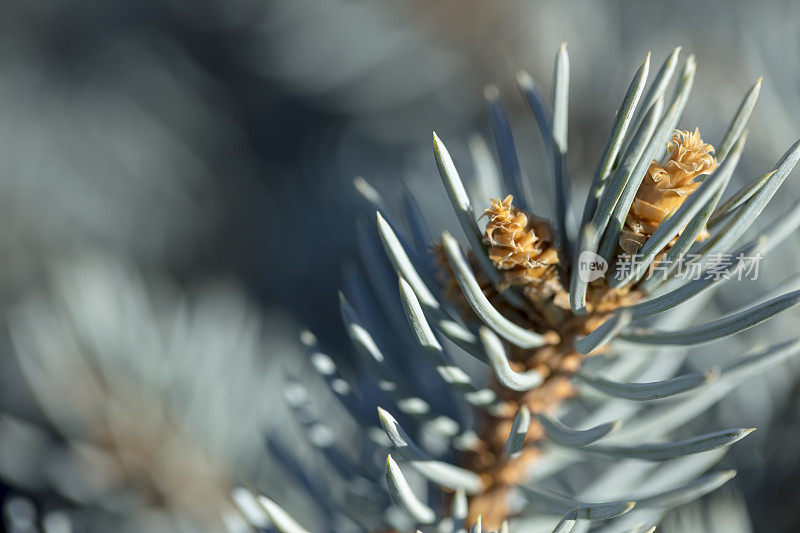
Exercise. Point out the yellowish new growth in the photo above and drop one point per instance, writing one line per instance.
(664, 189)
(519, 246)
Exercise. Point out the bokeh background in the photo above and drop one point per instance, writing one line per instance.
(189, 164)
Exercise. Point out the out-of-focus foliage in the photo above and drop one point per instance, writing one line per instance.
(154, 402)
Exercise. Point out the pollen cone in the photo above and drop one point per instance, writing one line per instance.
(664, 189)
(522, 248)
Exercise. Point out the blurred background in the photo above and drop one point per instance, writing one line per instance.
(176, 194)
